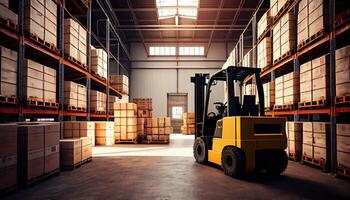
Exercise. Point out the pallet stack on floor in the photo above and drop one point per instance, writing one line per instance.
(39, 82)
(8, 78)
(99, 63)
(144, 112)
(188, 127)
(316, 140)
(294, 132)
(75, 39)
(98, 102)
(76, 147)
(120, 83)
(74, 96)
(158, 130)
(104, 133)
(125, 119)
(41, 21)
(343, 149)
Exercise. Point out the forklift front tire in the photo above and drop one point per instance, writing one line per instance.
(200, 151)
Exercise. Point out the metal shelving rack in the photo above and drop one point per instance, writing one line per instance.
(326, 44)
(16, 39)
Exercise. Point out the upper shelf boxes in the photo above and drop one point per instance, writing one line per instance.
(8, 68)
(264, 53)
(342, 68)
(248, 59)
(276, 6)
(283, 37)
(264, 23)
(6, 13)
(312, 19)
(41, 20)
(99, 62)
(75, 38)
(120, 83)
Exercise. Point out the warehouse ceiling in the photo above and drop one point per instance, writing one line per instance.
(166, 21)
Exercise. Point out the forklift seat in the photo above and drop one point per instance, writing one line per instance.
(249, 107)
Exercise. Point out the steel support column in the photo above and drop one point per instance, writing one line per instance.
(61, 67)
(20, 63)
(108, 65)
(88, 80)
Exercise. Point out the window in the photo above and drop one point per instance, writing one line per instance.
(162, 50)
(191, 51)
(177, 112)
(183, 8)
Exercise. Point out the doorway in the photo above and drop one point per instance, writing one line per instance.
(177, 105)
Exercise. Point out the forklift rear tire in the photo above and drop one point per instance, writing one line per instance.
(200, 151)
(278, 163)
(233, 162)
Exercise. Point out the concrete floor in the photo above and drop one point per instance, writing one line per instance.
(169, 172)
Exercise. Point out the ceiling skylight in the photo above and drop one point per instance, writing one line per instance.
(182, 8)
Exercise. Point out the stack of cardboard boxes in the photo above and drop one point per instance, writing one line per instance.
(343, 146)
(98, 101)
(75, 39)
(6, 13)
(158, 130)
(125, 119)
(79, 129)
(75, 96)
(264, 23)
(342, 69)
(276, 6)
(104, 133)
(264, 57)
(99, 62)
(39, 82)
(120, 83)
(8, 69)
(144, 112)
(294, 132)
(287, 89)
(188, 127)
(248, 59)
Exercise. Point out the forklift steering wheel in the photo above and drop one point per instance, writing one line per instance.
(211, 113)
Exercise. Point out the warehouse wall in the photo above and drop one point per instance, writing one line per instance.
(156, 76)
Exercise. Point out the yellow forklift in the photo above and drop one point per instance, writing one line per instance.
(239, 137)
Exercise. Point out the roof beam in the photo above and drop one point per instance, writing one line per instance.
(234, 21)
(221, 5)
(199, 9)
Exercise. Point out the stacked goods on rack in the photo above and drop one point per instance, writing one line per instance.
(38, 151)
(312, 19)
(120, 83)
(8, 157)
(8, 70)
(269, 95)
(79, 129)
(188, 127)
(144, 112)
(284, 37)
(248, 59)
(232, 58)
(316, 143)
(264, 53)
(294, 132)
(264, 23)
(39, 82)
(75, 41)
(104, 133)
(342, 70)
(343, 147)
(125, 119)
(75, 152)
(112, 100)
(41, 20)
(158, 130)
(98, 101)
(6, 13)
(314, 80)
(276, 6)
(99, 62)
(287, 89)
(74, 96)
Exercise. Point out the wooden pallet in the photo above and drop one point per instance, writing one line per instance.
(281, 12)
(312, 104)
(75, 109)
(43, 177)
(126, 141)
(269, 109)
(313, 162)
(98, 112)
(8, 23)
(342, 99)
(283, 57)
(8, 100)
(37, 102)
(286, 107)
(77, 62)
(311, 39)
(294, 156)
(263, 34)
(157, 141)
(98, 76)
(41, 41)
(343, 171)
